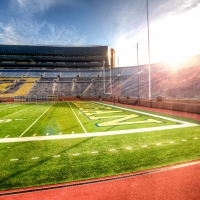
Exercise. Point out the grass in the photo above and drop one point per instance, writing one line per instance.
(54, 118)
(74, 158)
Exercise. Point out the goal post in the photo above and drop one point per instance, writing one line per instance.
(105, 84)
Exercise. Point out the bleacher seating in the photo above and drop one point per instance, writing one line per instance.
(181, 82)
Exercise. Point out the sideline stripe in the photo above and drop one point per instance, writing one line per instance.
(77, 118)
(67, 185)
(36, 120)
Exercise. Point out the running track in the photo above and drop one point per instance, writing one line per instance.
(177, 183)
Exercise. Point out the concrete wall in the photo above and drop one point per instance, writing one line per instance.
(192, 106)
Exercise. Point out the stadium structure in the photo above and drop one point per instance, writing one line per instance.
(60, 125)
(48, 73)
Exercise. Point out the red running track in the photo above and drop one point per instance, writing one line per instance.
(178, 183)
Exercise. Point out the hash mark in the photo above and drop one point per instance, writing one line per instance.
(94, 152)
(144, 146)
(76, 154)
(56, 156)
(112, 150)
(34, 158)
(158, 144)
(15, 159)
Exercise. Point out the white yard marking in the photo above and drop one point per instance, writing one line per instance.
(76, 154)
(95, 134)
(72, 132)
(158, 144)
(94, 152)
(36, 120)
(16, 112)
(77, 118)
(129, 148)
(9, 107)
(56, 156)
(144, 146)
(184, 140)
(196, 138)
(172, 142)
(8, 147)
(5, 120)
(35, 158)
(112, 150)
(47, 134)
(14, 159)
(34, 135)
(7, 136)
(60, 133)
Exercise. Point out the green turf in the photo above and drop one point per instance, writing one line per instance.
(40, 119)
(57, 161)
(84, 165)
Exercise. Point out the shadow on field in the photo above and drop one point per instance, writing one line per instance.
(9, 145)
(6, 181)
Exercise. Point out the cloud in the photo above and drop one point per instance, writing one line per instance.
(33, 6)
(174, 33)
(31, 32)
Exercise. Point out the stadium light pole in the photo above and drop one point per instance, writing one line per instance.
(138, 76)
(149, 51)
(118, 75)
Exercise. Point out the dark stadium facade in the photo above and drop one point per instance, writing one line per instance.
(53, 56)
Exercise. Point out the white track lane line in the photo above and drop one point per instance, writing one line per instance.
(77, 118)
(36, 120)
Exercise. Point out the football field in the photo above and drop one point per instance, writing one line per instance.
(66, 118)
(55, 142)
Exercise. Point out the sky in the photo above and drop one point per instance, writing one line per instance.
(174, 26)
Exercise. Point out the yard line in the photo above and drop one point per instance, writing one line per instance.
(10, 107)
(17, 112)
(77, 118)
(36, 120)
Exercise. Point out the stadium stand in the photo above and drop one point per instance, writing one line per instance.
(179, 83)
(39, 77)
